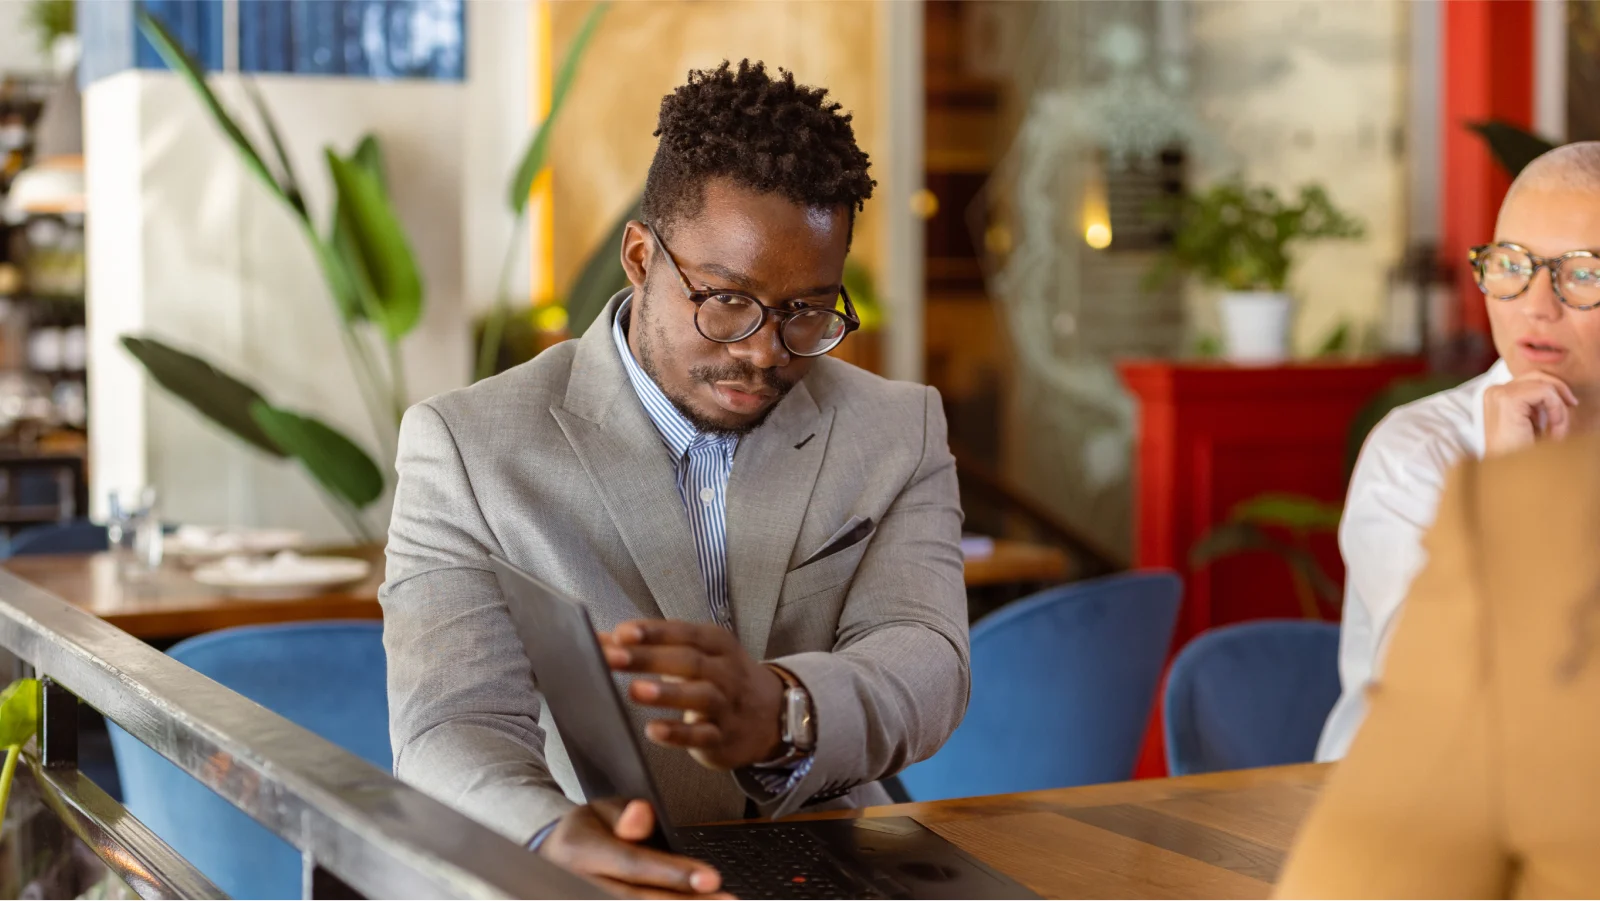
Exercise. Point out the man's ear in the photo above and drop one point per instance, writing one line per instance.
(638, 249)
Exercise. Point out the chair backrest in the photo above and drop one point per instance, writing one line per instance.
(1062, 687)
(73, 536)
(1249, 695)
(327, 677)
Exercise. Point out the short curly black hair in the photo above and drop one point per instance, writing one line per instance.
(768, 134)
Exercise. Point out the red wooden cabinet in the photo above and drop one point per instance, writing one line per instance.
(1212, 435)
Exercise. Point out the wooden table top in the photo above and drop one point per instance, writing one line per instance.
(1222, 835)
(1017, 561)
(174, 605)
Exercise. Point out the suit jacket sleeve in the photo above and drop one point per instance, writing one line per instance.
(463, 710)
(1410, 811)
(896, 683)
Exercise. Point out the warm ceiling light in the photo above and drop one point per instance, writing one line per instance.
(1098, 235)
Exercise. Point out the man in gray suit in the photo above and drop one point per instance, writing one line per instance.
(768, 538)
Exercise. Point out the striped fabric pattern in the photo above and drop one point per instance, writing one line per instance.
(704, 461)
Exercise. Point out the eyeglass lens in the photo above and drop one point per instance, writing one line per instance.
(729, 318)
(1505, 272)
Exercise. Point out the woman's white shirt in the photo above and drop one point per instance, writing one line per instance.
(1394, 495)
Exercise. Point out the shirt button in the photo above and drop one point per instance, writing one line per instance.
(708, 495)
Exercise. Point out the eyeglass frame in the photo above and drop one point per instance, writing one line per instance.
(1553, 264)
(698, 298)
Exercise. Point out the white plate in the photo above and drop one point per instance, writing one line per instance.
(200, 543)
(287, 575)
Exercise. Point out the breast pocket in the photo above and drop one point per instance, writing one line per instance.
(832, 571)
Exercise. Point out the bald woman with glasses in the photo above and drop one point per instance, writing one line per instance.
(1540, 279)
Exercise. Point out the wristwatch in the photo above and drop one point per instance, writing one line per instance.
(795, 724)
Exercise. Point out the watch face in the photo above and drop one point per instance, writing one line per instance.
(797, 718)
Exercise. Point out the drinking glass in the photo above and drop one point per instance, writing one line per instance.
(133, 530)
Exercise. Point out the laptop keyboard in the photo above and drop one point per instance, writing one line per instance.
(773, 862)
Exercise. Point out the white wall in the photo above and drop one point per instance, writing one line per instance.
(186, 246)
(19, 47)
(498, 113)
(1308, 91)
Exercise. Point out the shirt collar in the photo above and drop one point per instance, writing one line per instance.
(1498, 374)
(677, 432)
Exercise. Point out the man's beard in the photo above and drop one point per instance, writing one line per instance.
(732, 371)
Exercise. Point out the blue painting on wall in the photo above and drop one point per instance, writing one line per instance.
(363, 38)
(381, 39)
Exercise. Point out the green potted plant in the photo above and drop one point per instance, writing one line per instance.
(373, 281)
(1239, 238)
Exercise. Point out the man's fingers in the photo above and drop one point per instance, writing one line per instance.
(635, 823)
(624, 890)
(600, 840)
(683, 662)
(699, 695)
(679, 734)
(705, 636)
(648, 867)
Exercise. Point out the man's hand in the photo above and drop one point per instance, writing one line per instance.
(730, 702)
(1524, 410)
(600, 842)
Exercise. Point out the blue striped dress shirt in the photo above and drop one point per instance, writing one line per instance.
(704, 460)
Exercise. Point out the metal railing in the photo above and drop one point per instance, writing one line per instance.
(360, 832)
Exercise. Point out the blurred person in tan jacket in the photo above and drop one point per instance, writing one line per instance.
(1474, 774)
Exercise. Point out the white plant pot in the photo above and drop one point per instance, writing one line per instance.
(1255, 326)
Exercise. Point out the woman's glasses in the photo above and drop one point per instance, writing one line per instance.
(1504, 271)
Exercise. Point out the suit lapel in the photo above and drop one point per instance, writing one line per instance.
(774, 472)
(631, 470)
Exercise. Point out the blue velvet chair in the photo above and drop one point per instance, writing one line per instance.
(1249, 695)
(327, 677)
(1062, 687)
(73, 536)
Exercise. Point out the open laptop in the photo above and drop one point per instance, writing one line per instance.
(889, 857)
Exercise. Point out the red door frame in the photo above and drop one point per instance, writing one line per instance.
(1488, 73)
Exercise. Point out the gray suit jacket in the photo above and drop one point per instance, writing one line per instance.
(556, 466)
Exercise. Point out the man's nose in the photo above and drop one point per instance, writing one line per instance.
(764, 349)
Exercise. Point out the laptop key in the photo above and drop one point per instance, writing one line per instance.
(775, 862)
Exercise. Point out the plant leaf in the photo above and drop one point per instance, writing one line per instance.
(1229, 538)
(180, 61)
(377, 252)
(290, 182)
(1238, 537)
(602, 275)
(340, 256)
(1337, 342)
(539, 146)
(19, 712)
(369, 156)
(1290, 511)
(217, 395)
(336, 462)
(1397, 394)
(1512, 147)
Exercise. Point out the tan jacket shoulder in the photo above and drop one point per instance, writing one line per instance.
(1473, 774)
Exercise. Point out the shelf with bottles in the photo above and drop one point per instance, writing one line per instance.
(21, 102)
